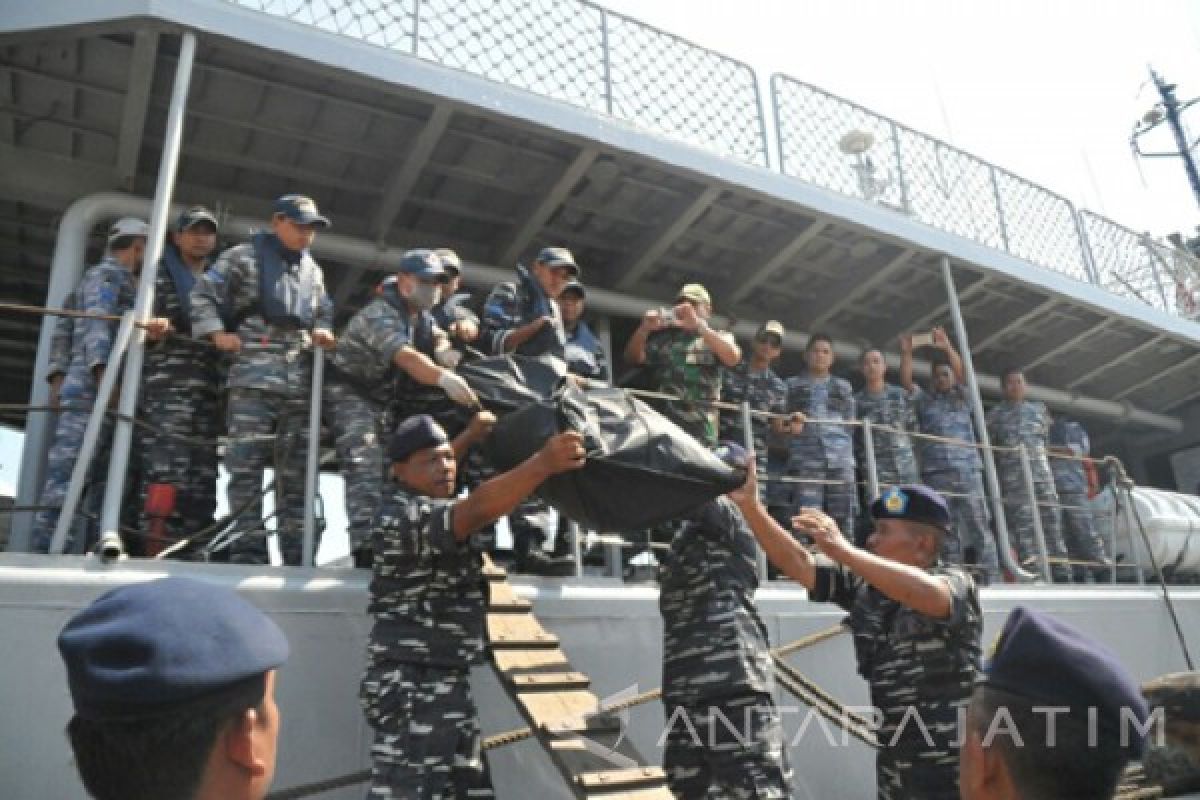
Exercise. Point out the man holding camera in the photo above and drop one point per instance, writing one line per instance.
(955, 469)
(687, 359)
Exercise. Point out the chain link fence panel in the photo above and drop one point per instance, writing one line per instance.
(571, 51)
(903, 169)
(1139, 267)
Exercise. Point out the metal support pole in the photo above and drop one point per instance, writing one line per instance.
(1039, 534)
(999, 210)
(1085, 248)
(576, 533)
(1112, 539)
(905, 202)
(989, 463)
(311, 468)
(606, 54)
(748, 442)
(168, 166)
(66, 515)
(872, 468)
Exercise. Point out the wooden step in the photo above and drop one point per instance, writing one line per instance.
(518, 631)
(616, 780)
(502, 598)
(550, 681)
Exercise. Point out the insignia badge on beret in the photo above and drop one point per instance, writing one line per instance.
(895, 501)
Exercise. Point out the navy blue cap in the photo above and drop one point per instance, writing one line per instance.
(575, 286)
(140, 650)
(559, 257)
(1048, 661)
(301, 209)
(914, 503)
(194, 216)
(450, 260)
(424, 264)
(733, 454)
(415, 433)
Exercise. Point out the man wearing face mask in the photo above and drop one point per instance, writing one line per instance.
(273, 292)
(393, 333)
(523, 317)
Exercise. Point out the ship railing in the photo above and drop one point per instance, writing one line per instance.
(868, 485)
(573, 51)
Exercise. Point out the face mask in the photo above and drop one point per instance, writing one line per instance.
(426, 295)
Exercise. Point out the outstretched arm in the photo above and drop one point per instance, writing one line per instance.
(500, 495)
(910, 586)
(782, 549)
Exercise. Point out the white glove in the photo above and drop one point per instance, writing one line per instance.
(457, 389)
(448, 357)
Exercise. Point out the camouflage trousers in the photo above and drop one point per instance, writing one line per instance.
(60, 462)
(729, 747)
(1019, 509)
(360, 429)
(181, 410)
(1080, 536)
(970, 537)
(426, 733)
(266, 429)
(919, 776)
(833, 491)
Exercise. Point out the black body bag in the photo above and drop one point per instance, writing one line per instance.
(642, 469)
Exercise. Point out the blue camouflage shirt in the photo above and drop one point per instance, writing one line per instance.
(827, 445)
(427, 592)
(714, 641)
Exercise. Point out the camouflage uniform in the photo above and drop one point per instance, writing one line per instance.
(912, 661)
(270, 380)
(717, 661)
(106, 288)
(1027, 423)
(509, 306)
(823, 451)
(427, 596)
(358, 397)
(182, 379)
(60, 342)
(957, 472)
(1082, 539)
(685, 367)
(764, 391)
(895, 462)
(585, 353)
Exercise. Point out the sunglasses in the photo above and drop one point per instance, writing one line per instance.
(773, 341)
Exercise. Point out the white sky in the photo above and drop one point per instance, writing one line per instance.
(1039, 88)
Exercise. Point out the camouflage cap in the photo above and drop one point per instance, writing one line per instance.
(450, 260)
(696, 293)
(559, 257)
(771, 327)
(300, 209)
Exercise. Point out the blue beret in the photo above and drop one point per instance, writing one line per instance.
(914, 503)
(415, 433)
(1050, 662)
(424, 264)
(141, 649)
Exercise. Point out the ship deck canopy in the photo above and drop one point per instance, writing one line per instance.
(497, 129)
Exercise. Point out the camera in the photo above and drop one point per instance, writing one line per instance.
(667, 315)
